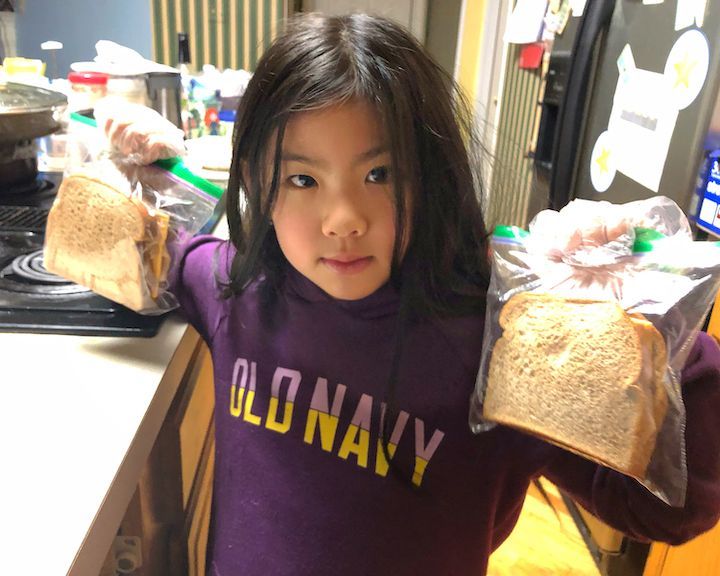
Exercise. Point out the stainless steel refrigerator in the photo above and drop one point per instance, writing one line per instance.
(631, 108)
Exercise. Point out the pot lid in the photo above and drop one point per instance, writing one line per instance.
(23, 99)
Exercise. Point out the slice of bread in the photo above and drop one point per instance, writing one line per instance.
(652, 378)
(582, 374)
(106, 240)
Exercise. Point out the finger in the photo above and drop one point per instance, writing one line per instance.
(617, 227)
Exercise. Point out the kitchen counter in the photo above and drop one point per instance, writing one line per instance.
(78, 417)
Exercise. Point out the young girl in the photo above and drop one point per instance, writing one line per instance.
(345, 318)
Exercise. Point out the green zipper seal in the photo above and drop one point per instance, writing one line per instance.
(173, 165)
(177, 167)
(512, 232)
(645, 239)
(83, 119)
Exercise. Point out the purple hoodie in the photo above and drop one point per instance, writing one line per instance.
(301, 484)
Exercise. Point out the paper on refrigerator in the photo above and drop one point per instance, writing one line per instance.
(642, 123)
(577, 7)
(526, 22)
(690, 13)
(644, 113)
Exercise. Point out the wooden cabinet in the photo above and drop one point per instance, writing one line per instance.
(197, 519)
(699, 557)
(170, 510)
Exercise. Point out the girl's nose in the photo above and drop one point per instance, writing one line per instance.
(344, 218)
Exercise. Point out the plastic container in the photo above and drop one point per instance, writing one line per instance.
(227, 122)
(86, 88)
(52, 154)
(130, 88)
(15, 65)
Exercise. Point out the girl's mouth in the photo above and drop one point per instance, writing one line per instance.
(351, 266)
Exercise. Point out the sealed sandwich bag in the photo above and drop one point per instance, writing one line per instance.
(590, 318)
(115, 224)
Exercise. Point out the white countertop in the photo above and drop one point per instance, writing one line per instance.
(78, 417)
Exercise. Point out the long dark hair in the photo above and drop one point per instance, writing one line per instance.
(319, 61)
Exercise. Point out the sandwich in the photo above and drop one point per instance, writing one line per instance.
(582, 374)
(107, 240)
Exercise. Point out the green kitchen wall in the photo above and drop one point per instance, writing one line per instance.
(226, 33)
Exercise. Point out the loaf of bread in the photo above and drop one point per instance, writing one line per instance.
(582, 374)
(108, 241)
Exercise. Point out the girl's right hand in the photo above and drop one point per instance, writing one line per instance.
(138, 133)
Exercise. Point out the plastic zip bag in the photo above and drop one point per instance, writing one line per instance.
(114, 225)
(590, 318)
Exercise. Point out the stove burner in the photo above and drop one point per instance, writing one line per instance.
(23, 218)
(27, 274)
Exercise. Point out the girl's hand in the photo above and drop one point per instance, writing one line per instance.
(597, 233)
(138, 133)
(582, 233)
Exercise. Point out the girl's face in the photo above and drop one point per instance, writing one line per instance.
(335, 211)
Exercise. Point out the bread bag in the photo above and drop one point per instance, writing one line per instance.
(114, 225)
(590, 317)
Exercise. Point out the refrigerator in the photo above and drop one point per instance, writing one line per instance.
(630, 108)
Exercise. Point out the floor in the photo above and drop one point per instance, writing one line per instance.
(545, 542)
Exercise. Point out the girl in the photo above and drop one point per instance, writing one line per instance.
(345, 318)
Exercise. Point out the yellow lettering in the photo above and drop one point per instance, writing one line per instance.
(328, 428)
(381, 463)
(356, 441)
(419, 471)
(249, 416)
(272, 423)
(236, 398)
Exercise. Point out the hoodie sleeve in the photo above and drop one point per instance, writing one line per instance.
(624, 503)
(195, 280)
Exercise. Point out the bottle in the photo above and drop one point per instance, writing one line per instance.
(186, 118)
(86, 89)
(184, 53)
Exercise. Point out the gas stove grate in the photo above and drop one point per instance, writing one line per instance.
(23, 218)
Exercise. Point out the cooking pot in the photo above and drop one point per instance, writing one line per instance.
(26, 113)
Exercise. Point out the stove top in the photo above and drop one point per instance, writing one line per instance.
(34, 300)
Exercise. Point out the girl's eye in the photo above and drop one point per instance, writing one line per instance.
(379, 175)
(302, 181)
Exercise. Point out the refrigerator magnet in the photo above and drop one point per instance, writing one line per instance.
(602, 163)
(687, 67)
(626, 63)
(531, 55)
